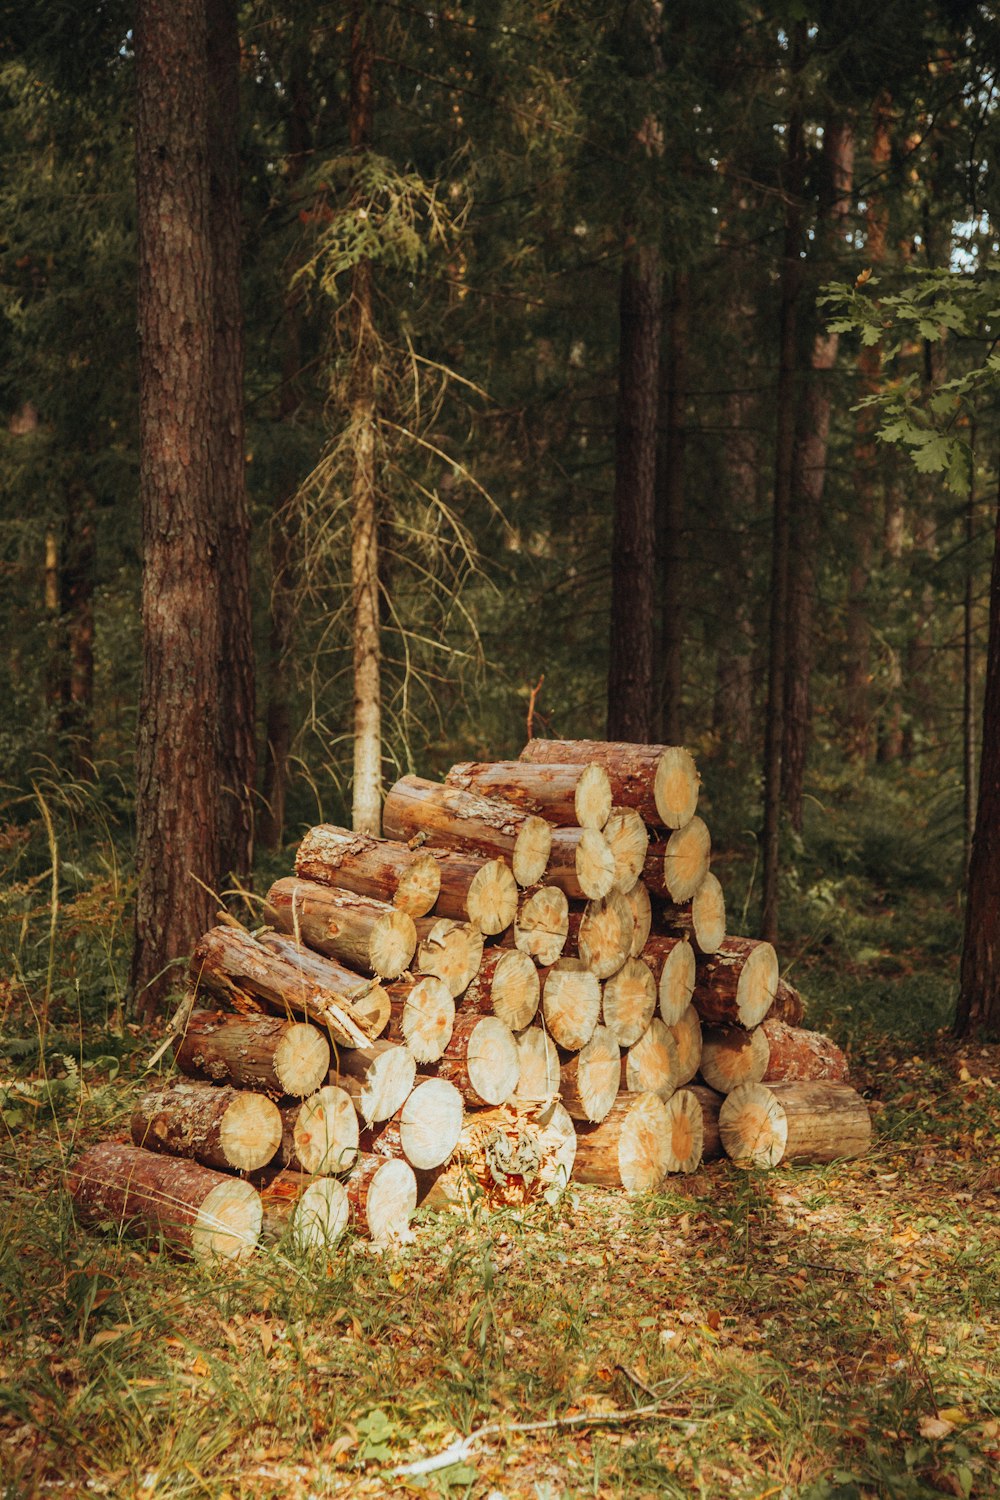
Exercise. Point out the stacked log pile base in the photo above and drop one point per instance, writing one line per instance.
(630, 1148)
(313, 1211)
(506, 1156)
(425, 1130)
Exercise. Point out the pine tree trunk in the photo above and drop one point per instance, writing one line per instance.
(670, 508)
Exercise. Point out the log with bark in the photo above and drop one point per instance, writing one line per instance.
(731, 1056)
(538, 1067)
(451, 951)
(320, 1135)
(475, 889)
(567, 796)
(737, 984)
(409, 879)
(377, 1077)
(629, 1000)
(541, 924)
(660, 781)
(710, 1103)
(423, 1014)
(787, 1005)
(209, 1215)
(327, 990)
(381, 1198)
(675, 868)
(254, 1052)
(764, 1124)
(799, 1056)
(425, 1129)
(507, 986)
(227, 1128)
(581, 863)
(367, 935)
(601, 935)
(687, 1132)
(571, 1003)
(480, 1060)
(453, 819)
(686, 1032)
(702, 919)
(508, 1156)
(642, 915)
(652, 1064)
(672, 963)
(628, 841)
(588, 1081)
(629, 1148)
(312, 1211)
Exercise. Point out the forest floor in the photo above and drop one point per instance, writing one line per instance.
(824, 1333)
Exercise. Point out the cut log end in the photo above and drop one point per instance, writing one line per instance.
(676, 786)
(652, 1064)
(515, 991)
(685, 860)
(687, 1034)
(531, 851)
(592, 798)
(321, 1215)
(708, 915)
(571, 1003)
(538, 1063)
(492, 898)
(393, 940)
(430, 1123)
(324, 1132)
(687, 1131)
(378, 1079)
(589, 1082)
(428, 1018)
(753, 1126)
(250, 1132)
(731, 1056)
(642, 915)
(628, 840)
(492, 1061)
(605, 934)
(390, 1198)
(301, 1059)
(629, 1001)
(595, 865)
(419, 885)
(452, 951)
(542, 925)
(675, 987)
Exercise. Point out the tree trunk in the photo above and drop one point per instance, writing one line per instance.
(76, 588)
(670, 511)
(177, 759)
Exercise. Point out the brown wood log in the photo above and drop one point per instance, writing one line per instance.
(628, 841)
(453, 819)
(328, 991)
(320, 1135)
(507, 986)
(378, 1078)
(601, 935)
(425, 1130)
(367, 935)
(480, 1060)
(687, 1132)
(629, 1001)
(737, 984)
(731, 1056)
(672, 963)
(475, 889)
(642, 915)
(702, 919)
(209, 1215)
(222, 1127)
(764, 1124)
(799, 1056)
(423, 1015)
(652, 1064)
(312, 1211)
(538, 1068)
(660, 781)
(588, 1081)
(571, 1003)
(266, 1053)
(565, 795)
(676, 867)
(787, 1005)
(451, 951)
(580, 863)
(710, 1103)
(687, 1034)
(381, 1199)
(409, 879)
(506, 1157)
(629, 1148)
(541, 924)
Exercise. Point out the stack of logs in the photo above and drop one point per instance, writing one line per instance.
(527, 980)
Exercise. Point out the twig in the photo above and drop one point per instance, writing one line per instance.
(531, 705)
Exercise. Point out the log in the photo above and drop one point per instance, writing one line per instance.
(312, 1211)
(710, 1103)
(601, 935)
(629, 1001)
(565, 795)
(409, 879)
(660, 781)
(538, 1067)
(475, 889)
(702, 919)
(506, 1157)
(507, 986)
(652, 1064)
(253, 1052)
(208, 1215)
(571, 1003)
(581, 863)
(687, 1132)
(367, 935)
(686, 1032)
(378, 1078)
(737, 984)
(541, 924)
(799, 1056)
(328, 992)
(675, 868)
(588, 1081)
(423, 1014)
(731, 1056)
(320, 1135)
(787, 1005)
(628, 841)
(480, 1060)
(425, 1130)
(222, 1127)
(451, 951)
(453, 819)
(642, 915)
(629, 1148)
(381, 1199)
(764, 1124)
(672, 964)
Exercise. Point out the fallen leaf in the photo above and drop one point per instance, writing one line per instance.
(934, 1427)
